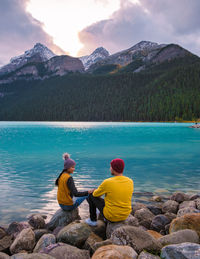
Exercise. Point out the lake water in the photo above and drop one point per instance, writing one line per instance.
(159, 157)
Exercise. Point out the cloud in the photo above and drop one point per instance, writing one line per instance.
(160, 21)
(20, 31)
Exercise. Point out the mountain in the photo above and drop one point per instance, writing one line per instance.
(97, 55)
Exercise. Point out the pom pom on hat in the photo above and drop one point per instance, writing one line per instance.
(66, 156)
(68, 162)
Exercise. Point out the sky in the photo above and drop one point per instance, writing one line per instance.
(78, 27)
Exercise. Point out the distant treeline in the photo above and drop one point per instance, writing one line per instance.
(166, 92)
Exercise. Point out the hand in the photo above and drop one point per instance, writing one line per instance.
(91, 191)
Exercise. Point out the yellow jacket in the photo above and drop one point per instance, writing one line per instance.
(118, 192)
(63, 194)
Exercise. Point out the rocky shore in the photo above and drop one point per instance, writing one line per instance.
(163, 228)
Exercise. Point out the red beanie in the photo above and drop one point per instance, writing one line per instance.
(117, 165)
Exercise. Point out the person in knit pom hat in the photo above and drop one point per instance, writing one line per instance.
(67, 192)
(118, 191)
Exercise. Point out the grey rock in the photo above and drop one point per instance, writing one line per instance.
(194, 196)
(186, 204)
(40, 232)
(145, 255)
(137, 206)
(44, 241)
(181, 236)
(159, 222)
(5, 243)
(197, 201)
(36, 221)
(16, 227)
(144, 217)
(4, 256)
(24, 241)
(2, 232)
(170, 216)
(154, 209)
(75, 234)
(187, 210)
(179, 197)
(61, 250)
(62, 218)
(111, 226)
(31, 256)
(170, 206)
(136, 238)
(181, 251)
(102, 243)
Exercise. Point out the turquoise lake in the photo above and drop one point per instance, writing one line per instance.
(159, 157)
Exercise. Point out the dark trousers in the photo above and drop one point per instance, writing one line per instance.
(95, 203)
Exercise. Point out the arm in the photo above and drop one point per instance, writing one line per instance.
(101, 190)
(73, 190)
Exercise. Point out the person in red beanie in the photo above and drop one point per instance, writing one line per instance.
(118, 191)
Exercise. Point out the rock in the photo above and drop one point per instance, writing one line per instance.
(187, 210)
(31, 256)
(194, 197)
(154, 234)
(62, 218)
(16, 227)
(145, 255)
(39, 232)
(179, 197)
(45, 240)
(188, 221)
(90, 242)
(4, 256)
(100, 229)
(115, 252)
(111, 226)
(61, 250)
(75, 234)
(5, 243)
(170, 206)
(2, 232)
(24, 241)
(167, 229)
(137, 206)
(197, 201)
(36, 221)
(156, 198)
(135, 237)
(170, 216)
(102, 243)
(181, 251)
(186, 204)
(154, 209)
(144, 217)
(159, 222)
(180, 236)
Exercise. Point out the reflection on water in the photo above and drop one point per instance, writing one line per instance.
(159, 157)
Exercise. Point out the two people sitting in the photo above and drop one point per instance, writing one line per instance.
(118, 190)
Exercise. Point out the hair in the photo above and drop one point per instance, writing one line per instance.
(57, 180)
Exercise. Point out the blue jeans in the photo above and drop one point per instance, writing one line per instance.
(78, 202)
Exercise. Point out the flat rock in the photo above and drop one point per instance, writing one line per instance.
(145, 255)
(111, 226)
(159, 222)
(188, 221)
(62, 218)
(180, 197)
(135, 237)
(4, 256)
(170, 206)
(31, 256)
(144, 217)
(61, 250)
(115, 251)
(181, 236)
(24, 241)
(5, 243)
(36, 221)
(75, 234)
(45, 240)
(181, 251)
(187, 210)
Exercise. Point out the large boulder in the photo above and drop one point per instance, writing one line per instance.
(186, 204)
(24, 241)
(4, 256)
(31, 256)
(62, 218)
(16, 227)
(40, 232)
(188, 221)
(144, 217)
(90, 242)
(180, 197)
(181, 236)
(44, 241)
(100, 229)
(159, 222)
(187, 210)
(61, 250)
(137, 206)
(111, 226)
(181, 251)
(74, 234)
(145, 255)
(5, 243)
(36, 221)
(170, 206)
(155, 209)
(135, 237)
(114, 251)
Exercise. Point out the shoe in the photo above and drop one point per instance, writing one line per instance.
(91, 223)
